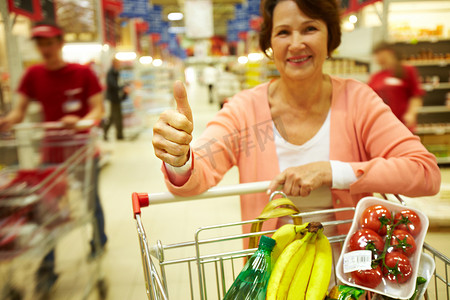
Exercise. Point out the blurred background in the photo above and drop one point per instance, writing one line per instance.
(212, 46)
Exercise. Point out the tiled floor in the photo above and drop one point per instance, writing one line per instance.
(134, 168)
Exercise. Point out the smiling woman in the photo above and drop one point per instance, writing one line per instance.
(325, 141)
(326, 11)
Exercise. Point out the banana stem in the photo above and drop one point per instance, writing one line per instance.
(315, 227)
(301, 228)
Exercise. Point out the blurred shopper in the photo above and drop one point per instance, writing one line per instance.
(227, 86)
(68, 93)
(210, 78)
(397, 84)
(114, 94)
(327, 141)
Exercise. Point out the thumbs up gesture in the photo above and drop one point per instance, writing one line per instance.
(172, 132)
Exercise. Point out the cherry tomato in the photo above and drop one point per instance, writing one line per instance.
(411, 219)
(368, 278)
(400, 269)
(376, 217)
(403, 242)
(366, 239)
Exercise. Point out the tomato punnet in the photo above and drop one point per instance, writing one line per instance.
(366, 239)
(368, 278)
(376, 217)
(402, 241)
(412, 220)
(400, 269)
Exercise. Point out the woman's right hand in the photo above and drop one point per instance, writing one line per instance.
(172, 132)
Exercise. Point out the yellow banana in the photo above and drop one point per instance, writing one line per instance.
(290, 269)
(285, 267)
(285, 235)
(297, 289)
(321, 271)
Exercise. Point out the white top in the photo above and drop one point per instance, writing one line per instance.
(290, 155)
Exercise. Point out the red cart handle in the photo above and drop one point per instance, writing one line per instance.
(139, 200)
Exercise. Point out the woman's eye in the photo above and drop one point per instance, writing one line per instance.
(310, 28)
(282, 32)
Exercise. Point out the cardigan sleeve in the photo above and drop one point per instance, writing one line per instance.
(393, 159)
(215, 152)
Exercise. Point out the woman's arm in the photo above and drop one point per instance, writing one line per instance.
(213, 154)
(397, 162)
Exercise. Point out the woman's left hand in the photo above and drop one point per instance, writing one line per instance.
(302, 180)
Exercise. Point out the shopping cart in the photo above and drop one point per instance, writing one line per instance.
(46, 192)
(212, 266)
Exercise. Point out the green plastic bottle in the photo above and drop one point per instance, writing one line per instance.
(251, 283)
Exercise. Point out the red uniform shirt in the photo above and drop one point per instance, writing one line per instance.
(61, 92)
(397, 92)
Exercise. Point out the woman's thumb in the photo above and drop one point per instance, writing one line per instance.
(180, 95)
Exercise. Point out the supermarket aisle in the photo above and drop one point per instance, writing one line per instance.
(133, 167)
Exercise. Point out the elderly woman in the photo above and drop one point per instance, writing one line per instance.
(327, 140)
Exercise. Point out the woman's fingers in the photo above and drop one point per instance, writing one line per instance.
(167, 132)
(177, 121)
(302, 180)
(172, 134)
(276, 182)
(170, 147)
(289, 184)
(176, 161)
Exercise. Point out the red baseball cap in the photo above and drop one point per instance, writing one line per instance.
(45, 31)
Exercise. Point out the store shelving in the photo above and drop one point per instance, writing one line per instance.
(439, 86)
(443, 160)
(155, 93)
(429, 63)
(432, 60)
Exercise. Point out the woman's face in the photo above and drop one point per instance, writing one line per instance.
(299, 43)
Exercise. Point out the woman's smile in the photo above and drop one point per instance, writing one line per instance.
(299, 60)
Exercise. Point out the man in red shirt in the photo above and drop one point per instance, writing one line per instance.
(397, 85)
(68, 93)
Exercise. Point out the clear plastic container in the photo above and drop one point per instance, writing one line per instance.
(386, 287)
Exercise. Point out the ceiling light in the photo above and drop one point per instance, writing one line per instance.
(255, 56)
(146, 60)
(347, 26)
(243, 60)
(125, 56)
(353, 19)
(157, 62)
(175, 16)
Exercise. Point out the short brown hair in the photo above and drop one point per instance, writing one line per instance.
(325, 10)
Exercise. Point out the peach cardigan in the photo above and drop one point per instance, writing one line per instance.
(383, 153)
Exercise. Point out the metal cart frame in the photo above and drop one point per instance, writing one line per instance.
(157, 281)
(77, 162)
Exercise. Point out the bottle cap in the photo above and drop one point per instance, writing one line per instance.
(267, 242)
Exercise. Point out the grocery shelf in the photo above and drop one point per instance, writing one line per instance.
(426, 63)
(434, 109)
(443, 160)
(433, 130)
(440, 86)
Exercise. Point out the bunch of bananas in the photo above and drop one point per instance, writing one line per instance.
(301, 262)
